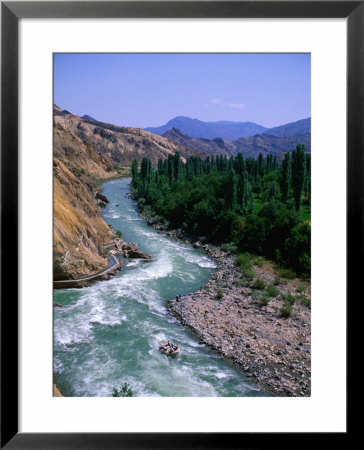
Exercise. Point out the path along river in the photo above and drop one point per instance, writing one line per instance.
(109, 333)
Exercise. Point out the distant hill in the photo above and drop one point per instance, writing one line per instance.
(119, 144)
(300, 127)
(269, 144)
(209, 130)
(86, 116)
(209, 147)
(249, 146)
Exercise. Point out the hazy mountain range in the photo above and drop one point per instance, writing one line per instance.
(229, 130)
(274, 141)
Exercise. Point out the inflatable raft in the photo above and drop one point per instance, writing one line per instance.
(168, 349)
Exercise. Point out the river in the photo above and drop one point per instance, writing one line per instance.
(109, 333)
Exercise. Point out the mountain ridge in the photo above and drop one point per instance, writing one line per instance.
(229, 130)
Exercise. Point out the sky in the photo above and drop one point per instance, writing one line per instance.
(142, 90)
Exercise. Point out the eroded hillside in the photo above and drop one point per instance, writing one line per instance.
(86, 151)
(79, 231)
(121, 144)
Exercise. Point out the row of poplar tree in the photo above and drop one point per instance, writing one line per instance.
(248, 202)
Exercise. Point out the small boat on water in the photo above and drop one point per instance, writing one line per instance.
(117, 204)
(169, 349)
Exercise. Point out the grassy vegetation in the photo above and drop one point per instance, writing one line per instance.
(288, 298)
(286, 309)
(259, 284)
(287, 273)
(272, 291)
(123, 391)
(260, 298)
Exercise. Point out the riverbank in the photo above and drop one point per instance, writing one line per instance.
(227, 315)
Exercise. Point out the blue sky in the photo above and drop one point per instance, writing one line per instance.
(143, 90)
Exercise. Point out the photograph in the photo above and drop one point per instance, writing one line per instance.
(182, 224)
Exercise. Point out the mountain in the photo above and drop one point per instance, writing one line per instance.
(269, 144)
(209, 130)
(274, 140)
(206, 146)
(86, 116)
(249, 146)
(302, 126)
(120, 144)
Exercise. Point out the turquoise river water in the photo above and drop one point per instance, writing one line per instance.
(109, 333)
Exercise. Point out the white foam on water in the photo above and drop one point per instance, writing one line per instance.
(57, 365)
(200, 260)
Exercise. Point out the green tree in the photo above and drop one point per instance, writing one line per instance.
(298, 173)
(134, 170)
(286, 177)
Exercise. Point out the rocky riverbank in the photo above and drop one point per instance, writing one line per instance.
(270, 345)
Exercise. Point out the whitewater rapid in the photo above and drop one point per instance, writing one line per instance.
(109, 333)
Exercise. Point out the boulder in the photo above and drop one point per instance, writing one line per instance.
(101, 197)
(131, 250)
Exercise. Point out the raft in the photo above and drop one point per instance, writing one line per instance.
(167, 351)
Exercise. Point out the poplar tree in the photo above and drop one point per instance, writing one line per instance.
(285, 177)
(177, 162)
(298, 173)
(134, 170)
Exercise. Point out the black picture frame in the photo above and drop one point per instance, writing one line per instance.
(11, 12)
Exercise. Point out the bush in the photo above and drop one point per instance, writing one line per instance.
(306, 301)
(286, 309)
(123, 391)
(244, 261)
(271, 290)
(248, 274)
(260, 298)
(219, 294)
(287, 273)
(119, 234)
(229, 247)
(288, 298)
(278, 280)
(259, 284)
(259, 261)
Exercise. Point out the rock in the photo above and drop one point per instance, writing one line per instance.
(131, 250)
(197, 244)
(101, 197)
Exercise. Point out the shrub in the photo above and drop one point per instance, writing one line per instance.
(229, 247)
(219, 294)
(286, 309)
(123, 391)
(260, 298)
(287, 273)
(244, 261)
(119, 233)
(306, 301)
(248, 274)
(288, 298)
(271, 290)
(259, 261)
(259, 284)
(278, 280)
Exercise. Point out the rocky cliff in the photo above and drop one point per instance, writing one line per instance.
(86, 151)
(79, 231)
(120, 144)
